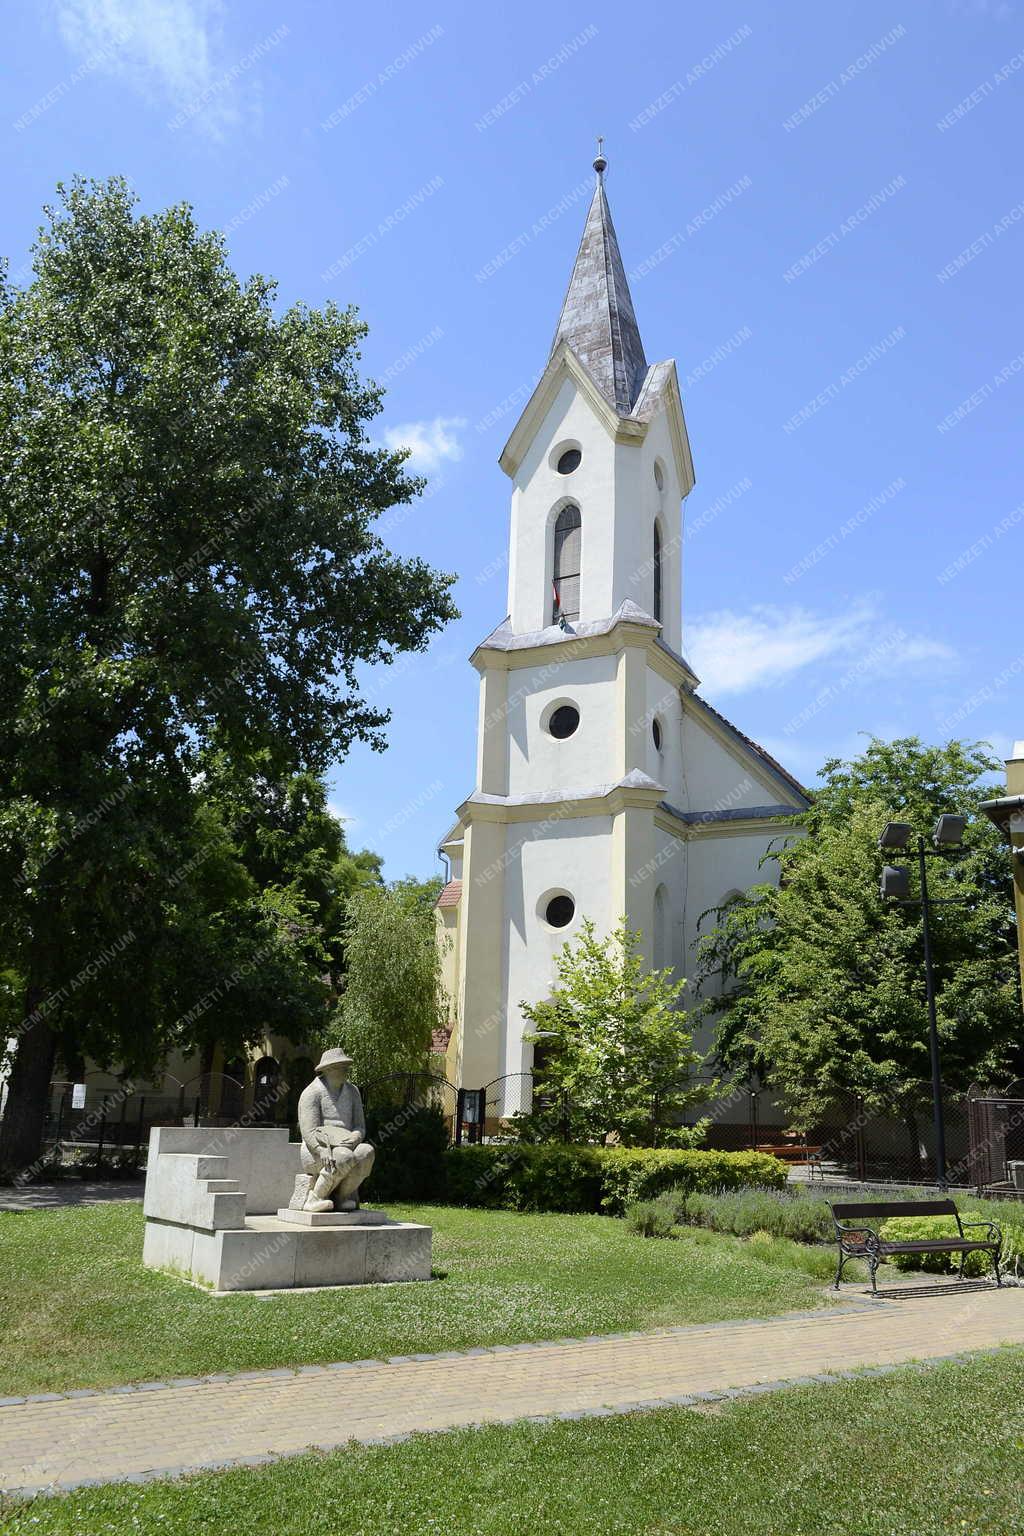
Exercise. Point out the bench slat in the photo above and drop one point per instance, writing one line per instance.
(870, 1208)
(941, 1245)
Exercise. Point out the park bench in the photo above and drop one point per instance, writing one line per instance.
(857, 1239)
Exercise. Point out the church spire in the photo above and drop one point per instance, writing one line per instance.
(597, 318)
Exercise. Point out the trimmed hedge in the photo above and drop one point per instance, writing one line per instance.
(525, 1176)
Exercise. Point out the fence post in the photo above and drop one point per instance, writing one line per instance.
(60, 1115)
(195, 1112)
(138, 1132)
(99, 1148)
(460, 1108)
(120, 1123)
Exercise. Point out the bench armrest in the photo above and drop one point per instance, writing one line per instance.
(995, 1232)
(862, 1237)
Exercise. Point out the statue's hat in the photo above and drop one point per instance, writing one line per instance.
(335, 1057)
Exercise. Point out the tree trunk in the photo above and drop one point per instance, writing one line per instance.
(28, 1095)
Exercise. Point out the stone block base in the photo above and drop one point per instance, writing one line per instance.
(269, 1253)
(360, 1218)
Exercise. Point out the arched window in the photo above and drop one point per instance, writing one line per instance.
(565, 603)
(662, 930)
(657, 573)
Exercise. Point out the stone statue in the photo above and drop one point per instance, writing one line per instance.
(335, 1153)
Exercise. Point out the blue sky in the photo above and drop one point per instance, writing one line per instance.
(821, 209)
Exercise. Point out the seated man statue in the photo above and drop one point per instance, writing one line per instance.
(333, 1129)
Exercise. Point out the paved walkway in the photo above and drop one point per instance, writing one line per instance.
(164, 1428)
(47, 1197)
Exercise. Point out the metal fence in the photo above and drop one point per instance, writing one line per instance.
(849, 1139)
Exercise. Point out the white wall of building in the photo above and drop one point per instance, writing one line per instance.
(538, 760)
(715, 777)
(570, 856)
(618, 497)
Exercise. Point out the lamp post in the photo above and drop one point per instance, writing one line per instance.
(895, 886)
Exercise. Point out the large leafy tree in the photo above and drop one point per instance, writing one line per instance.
(288, 839)
(818, 984)
(393, 997)
(616, 1049)
(188, 562)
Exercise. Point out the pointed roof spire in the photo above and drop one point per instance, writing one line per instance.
(597, 318)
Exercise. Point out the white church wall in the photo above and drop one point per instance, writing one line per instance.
(662, 704)
(665, 880)
(538, 760)
(543, 859)
(715, 779)
(719, 865)
(540, 491)
(639, 503)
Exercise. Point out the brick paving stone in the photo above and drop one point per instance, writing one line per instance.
(60, 1441)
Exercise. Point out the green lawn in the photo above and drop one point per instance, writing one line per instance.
(78, 1309)
(911, 1454)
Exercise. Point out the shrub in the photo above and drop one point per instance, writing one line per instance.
(524, 1176)
(922, 1229)
(652, 1218)
(640, 1173)
(411, 1146)
(744, 1211)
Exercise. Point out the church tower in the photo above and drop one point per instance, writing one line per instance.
(605, 786)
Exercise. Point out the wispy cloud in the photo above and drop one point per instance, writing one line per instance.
(431, 442)
(735, 652)
(168, 49)
(343, 814)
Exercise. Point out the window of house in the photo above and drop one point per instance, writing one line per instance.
(569, 461)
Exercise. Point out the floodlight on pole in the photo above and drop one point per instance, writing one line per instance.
(949, 831)
(895, 883)
(896, 834)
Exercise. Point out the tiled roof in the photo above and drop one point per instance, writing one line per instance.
(451, 894)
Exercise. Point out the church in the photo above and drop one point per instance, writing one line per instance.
(606, 785)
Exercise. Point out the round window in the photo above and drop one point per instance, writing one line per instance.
(560, 911)
(659, 476)
(569, 461)
(656, 734)
(564, 721)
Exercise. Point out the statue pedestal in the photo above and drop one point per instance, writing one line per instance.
(360, 1218)
(214, 1213)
